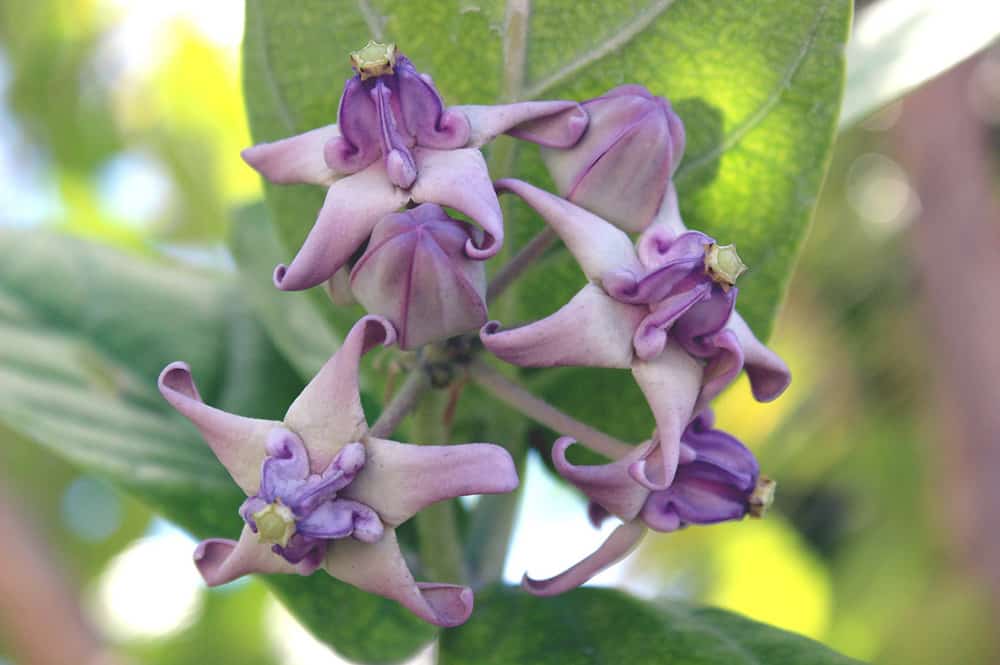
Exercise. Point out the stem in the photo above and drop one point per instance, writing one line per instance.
(527, 255)
(541, 411)
(404, 401)
(441, 552)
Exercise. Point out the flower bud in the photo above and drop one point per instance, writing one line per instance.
(417, 274)
(621, 168)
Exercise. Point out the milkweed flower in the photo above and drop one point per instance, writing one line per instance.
(718, 479)
(663, 308)
(416, 273)
(622, 168)
(396, 142)
(322, 492)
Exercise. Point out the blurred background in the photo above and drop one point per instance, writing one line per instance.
(122, 122)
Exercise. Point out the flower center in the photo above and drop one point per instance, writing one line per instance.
(275, 523)
(374, 59)
(723, 264)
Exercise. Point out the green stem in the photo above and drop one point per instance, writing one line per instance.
(441, 552)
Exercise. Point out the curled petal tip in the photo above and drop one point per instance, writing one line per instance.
(280, 271)
(637, 470)
(209, 556)
(491, 328)
(176, 378)
(451, 604)
(378, 331)
(490, 246)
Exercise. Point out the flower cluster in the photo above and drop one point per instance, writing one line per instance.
(324, 491)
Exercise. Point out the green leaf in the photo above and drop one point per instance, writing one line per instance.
(84, 331)
(604, 626)
(899, 44)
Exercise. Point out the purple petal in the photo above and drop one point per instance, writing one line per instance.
(554, 124)
(337, 519)
(727, 458)
(607, 485)
(380, 568)
(668, 217)
(286, 466)
(459, 179)
(400, 479)
(220, 561)
(651, 335)
(619, 545)
(238, 442)
(698, 326)
(358, 145)
(671, 383)
(598, 247)
(416, 274)
(352, 207)
(424, 114)
(768, 373)
(328, 413)
(298, 159)
(696, 497)
(723, 367)
(592, 330)
(399, 163)
(304, 497)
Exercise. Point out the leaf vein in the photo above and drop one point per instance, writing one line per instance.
(268, 73)
(689, 166)
(617, 41)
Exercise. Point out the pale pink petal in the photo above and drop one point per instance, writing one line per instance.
(297, 159)
(768, 373)
(327, 415)
(400, 479)
(220, 561)
(238, 442)
(555, 124)
(619, 545)
(460, 179)
(380, 568)
(352, 207)
(592, 330)
(599, 247)
(608, 485)
(671, 383)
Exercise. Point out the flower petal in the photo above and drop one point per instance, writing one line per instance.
(619, 545)
(554, 124)
(341, 518)
(220, 561)
(608, 485)
(591, 330)
(380, 568)
(459, 179)
(286, 466)
(357, 145)
(327, 415)
(671, 383)
(598, 246)
(400, 479)
(768, 373)
(722, 369)
(424, 114)
(238, 442)
(352, 207)
(298, 159)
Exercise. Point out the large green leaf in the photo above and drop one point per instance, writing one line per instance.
(84, 331)
(602, 626)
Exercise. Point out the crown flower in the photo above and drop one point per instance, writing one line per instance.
(718, 479)
(322, 492)
(653, 308)
(395, 142)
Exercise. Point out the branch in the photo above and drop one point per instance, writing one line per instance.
(527, 255)
(402, 403)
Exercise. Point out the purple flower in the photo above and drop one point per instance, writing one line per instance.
(621, 169)
(663, 309)
(324, 493)
(718, 479)
(417, 274)
(396, 142)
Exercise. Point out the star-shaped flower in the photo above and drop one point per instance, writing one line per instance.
(395, 142)
(718, 479)
(324, 493)
(657, 308)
